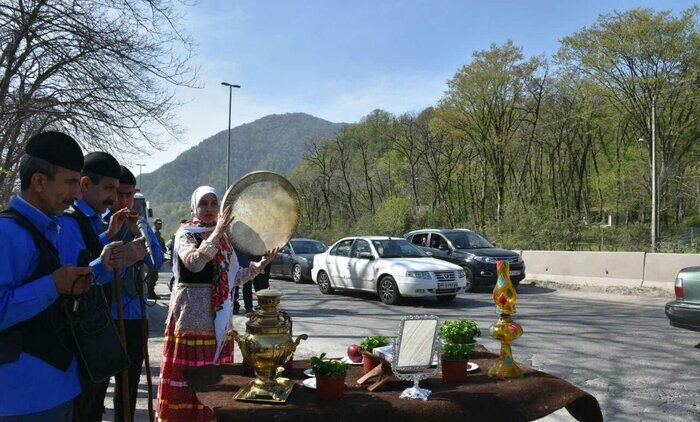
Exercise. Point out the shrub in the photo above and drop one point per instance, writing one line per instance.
(457, 351)
(326, 367)
(460, 332)
(372, 342)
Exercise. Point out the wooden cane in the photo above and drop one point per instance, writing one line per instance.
(144, 348)
(126, 402)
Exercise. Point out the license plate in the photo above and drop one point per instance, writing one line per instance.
(515, 273)
(442, 286)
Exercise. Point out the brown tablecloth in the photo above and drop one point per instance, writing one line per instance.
(480, 398)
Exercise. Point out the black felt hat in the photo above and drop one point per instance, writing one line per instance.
(127, 177)
(102, 164)
(56, 148)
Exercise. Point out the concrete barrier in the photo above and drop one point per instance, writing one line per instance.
(660, 269)
(631, 269)
(601, 268)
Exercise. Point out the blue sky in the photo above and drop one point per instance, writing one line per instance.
(339, 60)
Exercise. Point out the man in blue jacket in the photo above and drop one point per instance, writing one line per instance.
(81, 228)
(38, 369)
(132, 281)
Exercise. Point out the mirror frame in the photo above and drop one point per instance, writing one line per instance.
(436, 349)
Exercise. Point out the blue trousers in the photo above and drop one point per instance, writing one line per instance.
(61, 413)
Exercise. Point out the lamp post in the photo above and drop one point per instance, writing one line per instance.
(654, 212)
(228, 145)
(141, 166)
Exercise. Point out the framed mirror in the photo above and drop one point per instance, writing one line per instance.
(415, 348)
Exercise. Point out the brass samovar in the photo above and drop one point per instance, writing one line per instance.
(266, 346)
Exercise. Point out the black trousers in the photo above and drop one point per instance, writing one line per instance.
(89, 406)
(247, 297)
(262, 281)
(134, 348)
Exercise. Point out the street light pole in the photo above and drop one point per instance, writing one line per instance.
(653, 175)
(141, 166)
(228, 145)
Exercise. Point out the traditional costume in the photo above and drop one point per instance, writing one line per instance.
(38, 366)
(198, 327)
(132, 281)
(81, 228)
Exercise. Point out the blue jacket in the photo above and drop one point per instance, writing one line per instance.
(71, 241)
(130, 304)
(29, 384)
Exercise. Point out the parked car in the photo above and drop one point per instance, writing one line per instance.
(390, 267)
(476, 255)
(296, 259)
(684, 312)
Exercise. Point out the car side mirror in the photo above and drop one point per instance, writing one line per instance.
(150, 212)
(366, 255)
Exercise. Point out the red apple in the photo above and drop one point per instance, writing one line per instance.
(354, 353)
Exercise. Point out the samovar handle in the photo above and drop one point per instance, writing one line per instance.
(240, 341)
(298, 340)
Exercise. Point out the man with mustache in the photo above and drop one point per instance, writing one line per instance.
(38, 368)
(81, 228)
(132, 281)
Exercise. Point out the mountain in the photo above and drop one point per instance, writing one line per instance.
(275, 142)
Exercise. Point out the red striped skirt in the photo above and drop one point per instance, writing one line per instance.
(182, 350)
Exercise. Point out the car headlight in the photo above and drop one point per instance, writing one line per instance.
(419, 274)
(461, 274)
(486, 259)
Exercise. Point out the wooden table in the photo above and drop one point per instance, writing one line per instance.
(480, 398)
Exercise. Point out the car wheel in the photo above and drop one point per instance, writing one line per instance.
(324, 283)
(389, 291)
(296, 274)
(446, 298)
(470, 281)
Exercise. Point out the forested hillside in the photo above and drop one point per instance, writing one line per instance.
(537, 152)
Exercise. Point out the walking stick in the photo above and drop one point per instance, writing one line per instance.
(144, 347)
(126, 402)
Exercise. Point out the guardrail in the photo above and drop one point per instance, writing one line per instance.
(631, 269)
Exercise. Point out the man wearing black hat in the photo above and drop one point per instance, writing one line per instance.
(38, 368)
(132, 281)
(81, 228)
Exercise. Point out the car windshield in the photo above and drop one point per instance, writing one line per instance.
(308, 246)
(467, 240)
(397, 248)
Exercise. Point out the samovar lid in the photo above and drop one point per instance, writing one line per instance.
(269, 293)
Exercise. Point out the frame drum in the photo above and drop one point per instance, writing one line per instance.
(266, 210)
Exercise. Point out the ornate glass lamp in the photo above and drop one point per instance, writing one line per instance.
(505, 329)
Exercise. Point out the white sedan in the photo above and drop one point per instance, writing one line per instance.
(391, 267)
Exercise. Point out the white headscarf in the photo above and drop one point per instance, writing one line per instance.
(222, 320)
(199, 193)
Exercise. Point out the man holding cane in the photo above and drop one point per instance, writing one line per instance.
(82, 228)
(132, 281)
(38, 367)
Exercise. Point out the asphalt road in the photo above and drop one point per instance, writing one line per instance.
(619, 348)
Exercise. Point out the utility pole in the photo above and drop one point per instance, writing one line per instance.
(228, 145)
(141, 166)
(653, 174)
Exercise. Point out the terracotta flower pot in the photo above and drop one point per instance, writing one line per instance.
(454, 370)
(369, 362)
(330, 388)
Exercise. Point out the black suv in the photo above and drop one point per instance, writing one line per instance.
(471, 251)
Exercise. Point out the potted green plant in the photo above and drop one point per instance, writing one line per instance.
(330, 377)
(369, 344)
(458, 347)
